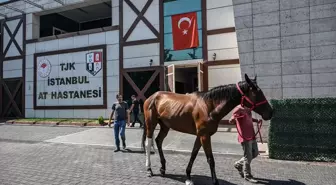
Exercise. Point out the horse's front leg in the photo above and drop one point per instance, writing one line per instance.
(206, 144)
(197, 146)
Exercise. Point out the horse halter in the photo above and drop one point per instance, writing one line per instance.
(254, 105)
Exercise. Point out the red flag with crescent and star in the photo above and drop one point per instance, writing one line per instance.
(185, 32)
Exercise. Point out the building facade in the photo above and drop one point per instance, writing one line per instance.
(289, 45)
(69, 59)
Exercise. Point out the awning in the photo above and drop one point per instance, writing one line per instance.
(12, 5)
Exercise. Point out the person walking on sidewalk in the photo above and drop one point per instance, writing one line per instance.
(135, 108)
(242, 117)
(119, 111)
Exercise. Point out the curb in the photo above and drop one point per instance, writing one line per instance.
(74, 124)
(54, 123)
(166, 151)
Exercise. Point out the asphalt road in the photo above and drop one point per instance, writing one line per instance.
(25, 158)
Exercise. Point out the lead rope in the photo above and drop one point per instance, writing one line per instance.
(259, 127)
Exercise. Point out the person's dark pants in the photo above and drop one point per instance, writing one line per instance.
(136, 118)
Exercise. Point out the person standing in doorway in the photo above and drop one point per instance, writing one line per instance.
(135, 108)
(119, 111)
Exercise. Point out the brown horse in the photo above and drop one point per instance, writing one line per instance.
(198, 114)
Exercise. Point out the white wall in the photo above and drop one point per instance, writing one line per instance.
(110, 38)
(220, 15)
(140, 55)
(222, 75)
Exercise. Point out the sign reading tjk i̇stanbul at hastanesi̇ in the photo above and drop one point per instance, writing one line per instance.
(70, 79)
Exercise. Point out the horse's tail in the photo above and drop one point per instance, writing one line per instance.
(151, 105)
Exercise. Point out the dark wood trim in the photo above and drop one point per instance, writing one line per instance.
(204, 30)
(204, 43)
(2, 22)
(161, 38)
(103, 106)
(12, 95)
(123, 41)
(32, 41)
(121, 45)
(140, 42)
(141, 92)
(222, 62)
(162, 73)
(140, 69)
(12, 58)
(140, 17)
(72, 50)
(69, 107)
(133, 85)
(21, 56)
(24, 66)
(105, 76)
(12, 37)
(221, 31)
(73, 34)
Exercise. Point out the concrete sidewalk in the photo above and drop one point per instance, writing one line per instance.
(223, 142)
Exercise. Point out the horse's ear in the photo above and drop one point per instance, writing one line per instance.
(248, 80)
(255, 78)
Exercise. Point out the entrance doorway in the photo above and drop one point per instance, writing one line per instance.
(184, 79)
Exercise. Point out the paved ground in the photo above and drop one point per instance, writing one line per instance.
(26, 158)
(224, 142)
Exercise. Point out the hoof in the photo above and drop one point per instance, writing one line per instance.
(189, 182)
(149, 173)
(162, 171)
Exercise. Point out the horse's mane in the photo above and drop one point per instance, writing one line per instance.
(223, 92)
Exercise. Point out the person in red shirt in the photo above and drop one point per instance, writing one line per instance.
(242, 117)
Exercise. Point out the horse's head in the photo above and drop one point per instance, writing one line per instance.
(255, 99)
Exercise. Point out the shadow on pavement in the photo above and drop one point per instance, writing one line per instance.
(135, 151)
(279, 182)
(197, 179)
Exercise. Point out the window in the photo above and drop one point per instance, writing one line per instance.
(78, 19)
(172, 7)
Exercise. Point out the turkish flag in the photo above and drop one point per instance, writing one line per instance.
(185, 33)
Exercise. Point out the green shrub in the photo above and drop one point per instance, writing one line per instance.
(303, 129)
(101, 120)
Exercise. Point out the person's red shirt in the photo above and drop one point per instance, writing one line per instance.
(244, 123)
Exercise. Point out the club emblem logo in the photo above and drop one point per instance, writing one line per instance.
(44, 68)
(94, 62)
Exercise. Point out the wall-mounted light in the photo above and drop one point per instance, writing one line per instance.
(150, 62)
(214, 56)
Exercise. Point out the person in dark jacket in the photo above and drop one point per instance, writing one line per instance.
(135, 108)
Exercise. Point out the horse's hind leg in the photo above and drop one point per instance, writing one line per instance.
(151, 122)
(159, 140)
